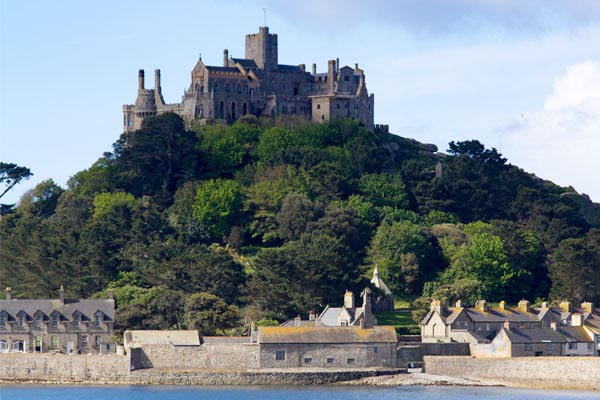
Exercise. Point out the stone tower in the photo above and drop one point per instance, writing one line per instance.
(262, 48)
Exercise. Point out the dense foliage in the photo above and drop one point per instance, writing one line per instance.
(218, 226)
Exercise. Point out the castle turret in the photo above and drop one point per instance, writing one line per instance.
(157, 80)
(225, 58)
(262, 48)
(314, 69)
(331, 75)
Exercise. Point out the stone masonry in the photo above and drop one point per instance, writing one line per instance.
(259, 85)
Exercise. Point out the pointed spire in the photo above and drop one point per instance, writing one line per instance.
(376, 273)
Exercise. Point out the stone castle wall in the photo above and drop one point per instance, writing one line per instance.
(415, 352)
(64, 368)
(535, 372)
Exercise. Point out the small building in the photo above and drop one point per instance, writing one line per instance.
(60, 325)
(139, 338)
(349, 314)
(384, 302)
(327, 347)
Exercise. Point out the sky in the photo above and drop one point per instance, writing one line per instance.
(520, 76)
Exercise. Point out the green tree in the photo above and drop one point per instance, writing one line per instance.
(209, 314)
(217, 206)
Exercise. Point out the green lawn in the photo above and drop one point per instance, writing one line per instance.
(400, 318)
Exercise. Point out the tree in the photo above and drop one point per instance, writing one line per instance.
(384, 190)
(297, 211)
(209, 314)
(217, 206)
(11, 174)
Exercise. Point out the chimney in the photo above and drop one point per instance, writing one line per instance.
(588, 307)
(436, 305)
(141, 79)
(553, 325)
(349, 299)
(111, 294)
(459, 304)
(362, 323)
(302, 67)
(317, 321)
(544, 305)
(7, 294)
(502, 305)
(157, 80)
(524, 305)
(62, 294)
(356, 67)
(507, 325)
(314, 69)
(576, 319)
(337, 65)
(566, 306)
(481, 305)
(331, 71)
(311, 316)
(225, 58)
(297, 321)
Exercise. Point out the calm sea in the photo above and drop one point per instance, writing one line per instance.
(283, 393)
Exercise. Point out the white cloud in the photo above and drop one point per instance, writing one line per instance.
(560, 141)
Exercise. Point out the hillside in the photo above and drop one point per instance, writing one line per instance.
(262, 220)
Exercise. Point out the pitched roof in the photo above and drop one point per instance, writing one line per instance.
(245, 62)
(327, 334)
(574, 334)
(223, 69)
(87, 307)
(289, 68)
(535, 335)
(379, 283)
(175, 338)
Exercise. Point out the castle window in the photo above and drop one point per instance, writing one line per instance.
(338, 106)
(227, 87)
(239, 89)
(233, 111)
(216, 87)
(296, 90)
(279, 355)
(322, 117)
(244, 108)
(202, 89)
(221, 110)
(318, 106)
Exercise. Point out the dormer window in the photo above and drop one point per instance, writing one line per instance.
(2, 320)
(20, 320)
(76, 321)
(54, 321)
(38, 320)
(98, 319)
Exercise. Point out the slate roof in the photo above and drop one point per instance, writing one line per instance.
(175, 338)
(289, 68)
(329, 316)
(245, 62)
(379, 283)
(535, 335)
(223, 69)
(87, 307)
(327, 334)
(575, 334)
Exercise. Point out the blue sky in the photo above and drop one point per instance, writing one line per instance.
(521, 76)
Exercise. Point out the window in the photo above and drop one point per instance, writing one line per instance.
(84, 342)
(590, 346)
(375, 349)
(38, 321)
(97, 341)
(346, 78)
(330, 360)
(3, 346)
(227, 88)
(54, 321)
(487, 327)
(528, 347)
(279, 355)
(38, 343)
(54, 341)
(308, 360)
(322, 117)
(2, 320)
(318, 106)
(466, 325)
(75, 321)
(337, 106)
(549, 346)
(19, 346)
(350, 361)
(572, 346)
(98, 319)
(344, 323)
(20, 320)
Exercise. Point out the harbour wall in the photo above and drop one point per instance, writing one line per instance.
(581, 373)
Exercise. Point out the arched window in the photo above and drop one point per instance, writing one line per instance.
(3, 346)
(238, 89)
(221, 110)
(18, 346)
(227, 88)
(216, 87)
(244, 108)
(202, 89)
(233, 111)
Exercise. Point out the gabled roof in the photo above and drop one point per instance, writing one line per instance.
(223, 69)
(289, 68)
(245, 62)
(574, 334)
(87, 307)
(379, 283)
(327, 334)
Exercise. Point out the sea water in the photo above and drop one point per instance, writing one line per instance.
(28, 392)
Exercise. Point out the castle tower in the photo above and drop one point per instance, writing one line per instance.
(262, 48)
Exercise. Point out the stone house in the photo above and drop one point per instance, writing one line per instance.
(327, 347)
(57, 325)
(259, 85)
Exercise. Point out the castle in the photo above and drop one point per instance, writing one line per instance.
(259, 85)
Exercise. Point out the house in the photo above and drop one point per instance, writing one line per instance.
(57, 325)
(385, 302)
(327, 346)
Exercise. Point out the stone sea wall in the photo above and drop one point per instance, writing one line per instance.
(581, 373)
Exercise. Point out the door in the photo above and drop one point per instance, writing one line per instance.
(69, 346)
(38, 344)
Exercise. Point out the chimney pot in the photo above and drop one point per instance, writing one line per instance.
(7, 294)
